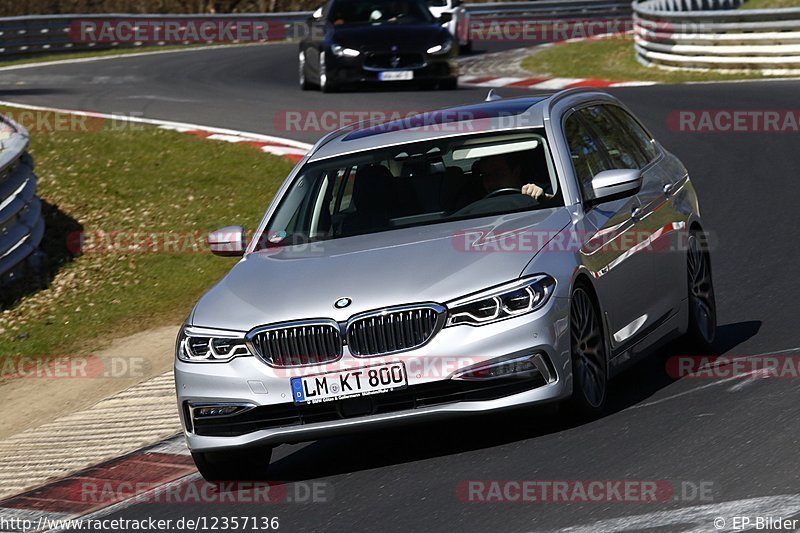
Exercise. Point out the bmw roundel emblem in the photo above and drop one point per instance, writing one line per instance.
(341, 303)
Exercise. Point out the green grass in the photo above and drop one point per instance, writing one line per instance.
(611, 59)
(143, 180)
(769, 4)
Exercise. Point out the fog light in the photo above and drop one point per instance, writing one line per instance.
(215, 411)
(210, 411)
(519, 367)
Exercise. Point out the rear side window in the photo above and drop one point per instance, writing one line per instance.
(636, 132)
(623, 151)
(586, 153)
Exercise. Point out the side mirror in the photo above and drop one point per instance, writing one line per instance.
(444, 18)
(618, 183)
(228, 241)
(316, 15)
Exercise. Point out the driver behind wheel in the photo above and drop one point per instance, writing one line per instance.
(505, 171)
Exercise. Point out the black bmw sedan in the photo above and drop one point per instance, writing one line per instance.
(348, 42)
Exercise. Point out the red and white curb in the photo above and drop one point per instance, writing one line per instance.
(103, 487)
(125, 422)
(286, 148)
(479, 70)
(274, 146)
(553, 84)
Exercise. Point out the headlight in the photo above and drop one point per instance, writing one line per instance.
(204, 345)
(440, 49)
(342, 51)
(499, 303)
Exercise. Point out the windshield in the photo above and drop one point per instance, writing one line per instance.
(414, 184)
(347, 12)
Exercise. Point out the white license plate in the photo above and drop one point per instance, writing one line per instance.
(349, 383)
(396, 75)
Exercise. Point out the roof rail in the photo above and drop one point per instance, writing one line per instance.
(567, 92)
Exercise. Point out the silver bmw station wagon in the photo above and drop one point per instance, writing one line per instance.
(513, 252)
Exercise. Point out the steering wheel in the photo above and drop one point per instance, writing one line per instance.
(502, 192)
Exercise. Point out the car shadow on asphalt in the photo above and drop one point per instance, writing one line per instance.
(649, 375)
(396, 87)
(418, 441)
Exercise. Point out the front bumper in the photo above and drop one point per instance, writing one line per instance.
(342, 71)
(431, 393)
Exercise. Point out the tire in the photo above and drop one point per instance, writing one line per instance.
(466, 49)
(589, 354)
(450, 84)
(325, 84)
(303, 78)
(702, 304)
(250, 464)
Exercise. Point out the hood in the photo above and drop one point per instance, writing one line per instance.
(382, 37)
(435, 263)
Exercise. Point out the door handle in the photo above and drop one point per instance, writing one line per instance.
(636, 213)
(668, 189)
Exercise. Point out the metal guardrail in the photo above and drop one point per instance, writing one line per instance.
(712, 34)
(21, 222)
(48, 34)
(43, 34)
(553, 9)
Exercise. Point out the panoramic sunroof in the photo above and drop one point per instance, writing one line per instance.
(494, 109)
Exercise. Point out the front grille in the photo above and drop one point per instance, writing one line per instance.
(299, 344)
(377, 60)
(413, 397)
(391, 331)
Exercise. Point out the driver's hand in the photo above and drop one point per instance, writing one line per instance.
(533, 190)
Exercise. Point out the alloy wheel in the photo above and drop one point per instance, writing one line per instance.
(701, 292)
(302, 70)
(323, 75)
(588, 350)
